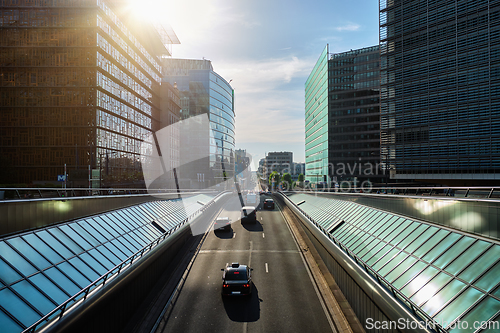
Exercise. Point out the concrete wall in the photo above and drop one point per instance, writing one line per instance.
(23, 215)
(477, 216)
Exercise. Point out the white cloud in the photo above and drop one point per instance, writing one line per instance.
(348, 27)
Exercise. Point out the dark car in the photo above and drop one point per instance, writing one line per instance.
(269, 203)
(248, 214)
(223, 223)
(236, 280)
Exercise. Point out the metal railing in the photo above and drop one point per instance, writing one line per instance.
(82, 295)
(8, 193)
(380, 279)
(485, 192)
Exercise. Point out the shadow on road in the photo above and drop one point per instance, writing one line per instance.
(224, 234)
(257, 226)
(243, 309)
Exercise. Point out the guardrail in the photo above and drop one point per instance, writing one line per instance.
(100, 282)
(380, 279)
(8, 193)
(486, 192)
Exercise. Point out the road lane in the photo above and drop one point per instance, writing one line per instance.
(283, 298)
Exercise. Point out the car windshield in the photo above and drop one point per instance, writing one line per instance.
(236, 275)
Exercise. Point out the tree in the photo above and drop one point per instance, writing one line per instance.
(286, 180)
(274, 177)
(300, 180)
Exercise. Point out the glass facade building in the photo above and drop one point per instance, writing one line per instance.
(78, 88)
(316, 121)
(440, 89)
(204, 92)
(354, 115)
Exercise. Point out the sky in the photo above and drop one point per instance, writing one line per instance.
(267, 48)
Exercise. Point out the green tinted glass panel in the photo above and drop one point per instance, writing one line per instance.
(419, 281)
(85, 234)
(489, 280)
(392, 263)
(459, 305)
(15, 306)
(32, 295)
(360, 241)
(363, 246)
(385, 258)
(399, 229)
(431, 243)
(76, 237)
(379, 255)
(353, 237)
(400, 269)
(396, 224)
(481, 264)
(64, 239)
(420, 239)
(409, 274)
(497, 292)
(379, 245)
(486, 309)
(441, 247)
(433, 305)
(431, 288)
(406, 232)
(467, 257)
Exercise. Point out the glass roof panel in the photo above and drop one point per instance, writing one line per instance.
(85, 234)
(400, 269)
(434, 304)
(459, 305)
(412, 236)
(489, 280)
(16, 260)
(453, 252)
(441, 247)
(486, 309)
(392, 263)
(481, 264)
(380, 254)
(431, 288)
(7, 273)
(49, 288)
(101, 259)
(409, 274)
(467, 257)
(16, 307)
(8, 324)
(25, 249)
(385, 259)
(43, 248)
(421, 238)
(75, 275)
(91, 262)
(32, 295)
(54, 243)
(419, 281)
(406, 232)
(431, 242)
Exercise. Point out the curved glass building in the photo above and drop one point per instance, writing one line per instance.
(204, 92)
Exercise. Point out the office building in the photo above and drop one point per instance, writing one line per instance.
(342, 118)
(316, 121)
(440, 90)
(281, 162)
(208, 151)
(354, 116)
(80, 87)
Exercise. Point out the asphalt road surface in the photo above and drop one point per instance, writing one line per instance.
(283, 298)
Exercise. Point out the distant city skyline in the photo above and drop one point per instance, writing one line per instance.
(268, 50)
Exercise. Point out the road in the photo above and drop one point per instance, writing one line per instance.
(283, 299)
